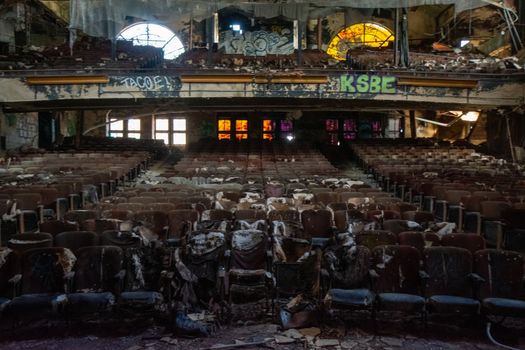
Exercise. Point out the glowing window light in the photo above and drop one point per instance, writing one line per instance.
(151, 34)
(268, 125)
(241, 125)
(224, 125)
(356, 35)
(241, 136)
(224, 136)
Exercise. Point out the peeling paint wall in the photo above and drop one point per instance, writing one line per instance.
(19, 129)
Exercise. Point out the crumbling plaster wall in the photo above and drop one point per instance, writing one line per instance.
(19, 129)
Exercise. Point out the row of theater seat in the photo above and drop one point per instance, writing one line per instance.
(449, 281)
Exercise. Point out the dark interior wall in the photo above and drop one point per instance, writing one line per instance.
(497, 135)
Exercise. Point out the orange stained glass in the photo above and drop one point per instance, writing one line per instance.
(358, 35)
(267, 125)
(241, 136)
(224, 125)
(268, 137)
(241, 125)
(224, 136)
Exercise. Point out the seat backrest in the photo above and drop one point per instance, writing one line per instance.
(398, 269)
(448, 269)
(142, 200)
(25, 241)
(97, 267)
(43, 269)
(413, 239)
(123, 215)
(165, 207)
(514, 217)
(469, 241)
(158, 220)
(294, 248)
(122, 239)
(492, 210)
(374, 238)
(454, 196)
(54, 227)
(317, 223)
(421, 217)
(249, 250)
(133, 207)
(352, 267)
(220, 214)
(396, 226)
(326, 197)
(284, 215)
(80, 215)
(250, 214)
(9, 266)
(74, 240)
(178, 221)
(27, 201)
(503, 272)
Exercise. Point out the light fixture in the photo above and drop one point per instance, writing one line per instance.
(289, 137)
(471, 116)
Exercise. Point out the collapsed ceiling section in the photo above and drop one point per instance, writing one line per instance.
(105, 18)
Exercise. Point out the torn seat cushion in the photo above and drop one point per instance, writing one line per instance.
(351, 297)
(90, 302)
(140, 298)
(448, 304)
(38, 305)
(401, 302)
(504, 307)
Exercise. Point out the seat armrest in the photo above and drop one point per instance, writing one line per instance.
(423, 275)
(373, 274)
(68, 281)
(120, 275)
(475, 278)
(227, 253)
(15, 284)
(69, 275)
(15, 279)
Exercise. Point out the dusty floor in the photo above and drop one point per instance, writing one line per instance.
(359, 334)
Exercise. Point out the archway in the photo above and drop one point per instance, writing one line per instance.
(156, 35)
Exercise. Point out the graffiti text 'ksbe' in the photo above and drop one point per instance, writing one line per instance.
(368, 84)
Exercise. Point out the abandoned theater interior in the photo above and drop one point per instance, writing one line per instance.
(292, 174)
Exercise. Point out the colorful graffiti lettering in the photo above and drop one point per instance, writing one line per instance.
(371, 84)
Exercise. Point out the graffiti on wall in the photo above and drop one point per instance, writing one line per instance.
(146, 82)
(257, 43)
(368, 84)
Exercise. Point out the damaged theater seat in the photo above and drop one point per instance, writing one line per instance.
(248, 265)
(450, 285)
(397, 282)
(44, 273)
(295, 266)
(318, 225)
(204, 257)
(502, 291)
(180, 223)
(350, 279)
(98, 278)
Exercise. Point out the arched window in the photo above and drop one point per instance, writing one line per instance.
(156, 35)
(360, 34)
